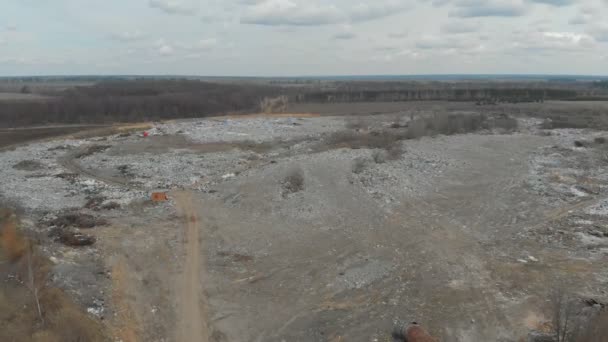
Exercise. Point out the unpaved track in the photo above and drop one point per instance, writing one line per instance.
(191, 312)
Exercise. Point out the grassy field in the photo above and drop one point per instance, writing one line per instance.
(10, 137)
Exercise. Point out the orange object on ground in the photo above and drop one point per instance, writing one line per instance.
(159, 197)
(146, 134)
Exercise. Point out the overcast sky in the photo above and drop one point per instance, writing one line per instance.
(303, 37)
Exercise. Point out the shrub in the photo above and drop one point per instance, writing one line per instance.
(293, 182)
(357, 123)
(600, 140)
(379, 156)
(506, 123)
(395, 151)
(359, 165)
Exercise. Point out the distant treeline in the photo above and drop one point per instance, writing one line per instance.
(601, 84)
(120, 100)
(490, 94)
(130, 101)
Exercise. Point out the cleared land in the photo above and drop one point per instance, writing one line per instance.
(326, 228)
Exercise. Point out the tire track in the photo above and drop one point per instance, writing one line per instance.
(192, 315)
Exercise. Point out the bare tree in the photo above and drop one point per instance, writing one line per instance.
(35, 279)
(564, 313)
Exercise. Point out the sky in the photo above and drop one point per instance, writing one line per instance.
(303, 37)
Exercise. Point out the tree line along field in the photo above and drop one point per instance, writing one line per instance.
(119, 100)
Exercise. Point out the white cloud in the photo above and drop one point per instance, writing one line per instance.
(203, 44)
(378, 9)
(491, 8)
(173, 6)
(456, 27)
(554, 2)
(287, 12)
(437, 42)
(165, 50)
(397, 35)
(553, 41)
(128, 36)
(314, 13)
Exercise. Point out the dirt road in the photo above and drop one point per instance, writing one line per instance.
(191, 313)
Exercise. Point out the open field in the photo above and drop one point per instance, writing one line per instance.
(324, 228)
(21, 97)
(9, 137)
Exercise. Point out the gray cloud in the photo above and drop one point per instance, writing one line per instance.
(479, 8)
(554, 2)
(600, 33)
(172, 7)
(344, 36)
(458, 27)
(578, 20)
(364, 12)
(397, 35)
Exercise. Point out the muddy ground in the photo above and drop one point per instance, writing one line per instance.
(268, 236)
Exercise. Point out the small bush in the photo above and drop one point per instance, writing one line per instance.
(379, 156)
(359, 165)
(599, 140)
(506, 123)
(293, 182)
(357, 123)
(580, 143)
(395, 151)
(547, 124)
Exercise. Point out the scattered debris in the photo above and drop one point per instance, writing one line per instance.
(110, 205)
(228, 175)
(94, 202)
(76, 239)
(159, 197)
(79, 220)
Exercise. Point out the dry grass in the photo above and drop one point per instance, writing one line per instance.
(390, 139)
(30, 309)
(579, 117)
(12, 244)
